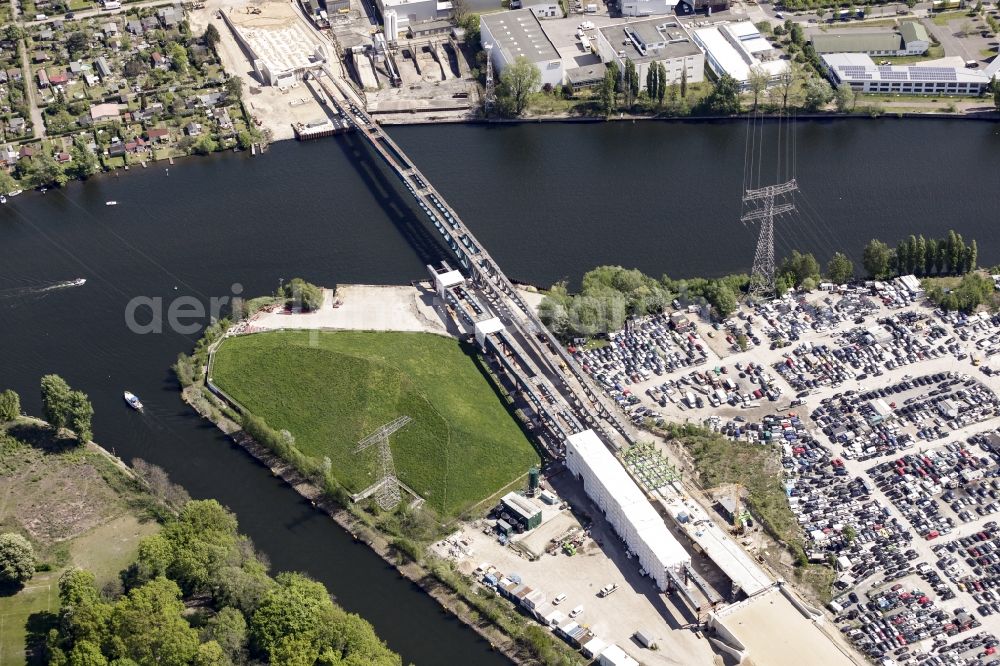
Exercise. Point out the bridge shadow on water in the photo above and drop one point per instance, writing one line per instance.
(388, 191)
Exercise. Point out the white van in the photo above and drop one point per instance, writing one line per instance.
(559, 598)
(576, 611)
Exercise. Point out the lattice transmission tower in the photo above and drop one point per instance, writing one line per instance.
(386, 488)
(765, 209)
(491, 87)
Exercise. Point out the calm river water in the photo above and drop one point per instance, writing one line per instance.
(549, 201)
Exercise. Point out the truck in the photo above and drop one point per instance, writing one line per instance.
(608, 589)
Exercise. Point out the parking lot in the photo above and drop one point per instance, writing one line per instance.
(885, 414)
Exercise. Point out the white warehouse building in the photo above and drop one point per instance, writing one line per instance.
(653, 40)
(518, 33)
(736, 48)
(626, 507)
(863, 75)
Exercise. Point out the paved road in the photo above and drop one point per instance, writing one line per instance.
(38, 125)
(952, 43)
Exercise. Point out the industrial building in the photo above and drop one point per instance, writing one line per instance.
(649, 41)
(646, 7)
(863, 75)
(510, 35)
(625, 507)
(912, 39)
(736, 48)
(419, 11)
(543, 9)
(521, 510)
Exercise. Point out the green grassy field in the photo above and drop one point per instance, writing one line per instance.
(61, 498)
(461, 446)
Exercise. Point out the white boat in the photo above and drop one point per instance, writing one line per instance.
(133, 401)
(14, 193)
(79, 282)
(110, 203)
(3, 199)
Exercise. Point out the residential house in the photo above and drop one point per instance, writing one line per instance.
(63, 158)
(149, 23)
(136, 145)
(193, 129)
(222, 117)
(158, 134)
(110, 29)
(103, 68)
(59, 78)
(17, 125)
(159, 61)
(14, 74)
(3, 76)
(133, 26)
(40, 57)
(116, 149)
(46, 35)
(43, 79)
(25, 153)
(169, 17)
(102, 112)
(8, 155)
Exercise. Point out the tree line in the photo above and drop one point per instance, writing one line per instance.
(240, 614)
(921, 256)
(65, 408)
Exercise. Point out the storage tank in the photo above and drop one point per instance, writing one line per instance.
(534, 475)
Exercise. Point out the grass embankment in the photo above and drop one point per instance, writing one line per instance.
(719, 461)
(461, 446)
(77, 508)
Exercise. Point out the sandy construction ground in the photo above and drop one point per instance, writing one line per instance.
(364, 308)
(276, 110)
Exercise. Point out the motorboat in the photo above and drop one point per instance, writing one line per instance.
(14, 193)
(133, 401)
(110, 203)
(79, 282)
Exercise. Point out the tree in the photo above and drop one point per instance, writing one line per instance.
(43, 170)
(244, 139)
(212, 36)
(876, 259)
(299, 293)
(459, 10)
(844, 98)
(996, 92)
(79, 415)
(630, 83)
(661, 91)
(229, 630)
(607, 93)
(799, 267)
(817, 94)
(149, 626)
(77, 44)
(234, 88)
(136, 67)
(10, 405)
(787, 81)
(653, 82)
(839, 269)
(517, 82)
(84, 163)
(920, 254)
(725, 97)
(55, 400)
(930, 255)
(684, 83)
(17, 559)
(956, 252)
(205, 145)
(721, 298)
(757, 81)
(178, 57)
(7, 182)
(971, 256)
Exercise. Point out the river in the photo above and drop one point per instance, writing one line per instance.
(549, 201)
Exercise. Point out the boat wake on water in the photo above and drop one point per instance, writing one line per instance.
(21, 295)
